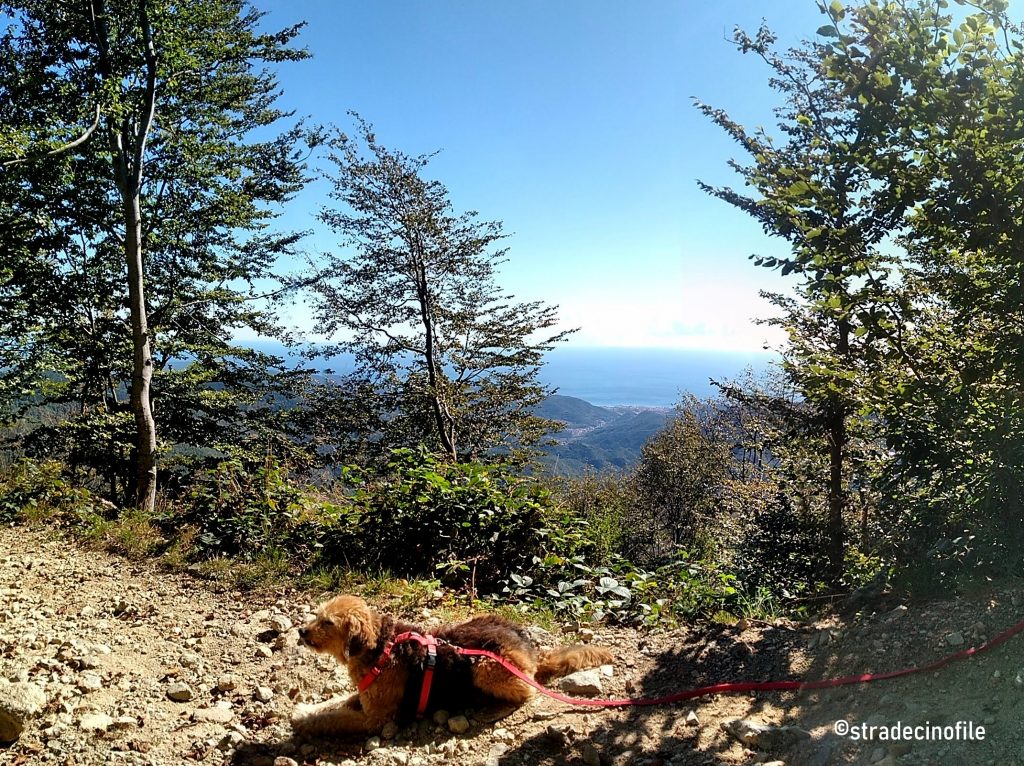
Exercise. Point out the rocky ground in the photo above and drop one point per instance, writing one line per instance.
(107, 661)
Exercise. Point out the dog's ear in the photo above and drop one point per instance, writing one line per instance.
(350, 628)
(356, 639)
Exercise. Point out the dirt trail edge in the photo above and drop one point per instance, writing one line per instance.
(103, 661)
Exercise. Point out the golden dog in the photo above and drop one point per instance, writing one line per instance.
(349, 630)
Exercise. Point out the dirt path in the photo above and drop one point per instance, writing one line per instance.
(109, 643)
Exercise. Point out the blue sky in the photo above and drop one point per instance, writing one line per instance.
(572, 122)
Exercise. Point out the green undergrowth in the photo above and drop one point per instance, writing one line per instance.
(417, 534)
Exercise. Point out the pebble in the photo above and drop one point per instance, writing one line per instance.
(97, 722)
(458, 724)
(263, 694)
(264, 651)
(230, 741)
(373, 743)
(227, 683)
(89, 682)
(590, 755)
(956, 638)
(283, 760)
(280, 624)
(583, 683)
(441, 717)
(390, 730)
(180, 692)
(219, 715)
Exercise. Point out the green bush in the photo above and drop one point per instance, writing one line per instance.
(472, 523)
(246, 509)
(36, 489)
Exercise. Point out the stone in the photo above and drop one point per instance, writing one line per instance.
(692, 719)
(590, 755)
(90, 682)
(441, 717)
(263, 651)
(956, 638)
(230, 741)
(583, 683)
(263, 694)
(280, 624)
(373, 743)
(97, 722)
(503, 735)
(283, 760)
(227, 683)
(390, 730)
(219, 715)
(758, 735)
(458, 724)
(19, 703)
(180, 692)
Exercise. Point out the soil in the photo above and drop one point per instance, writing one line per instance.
(110, 641)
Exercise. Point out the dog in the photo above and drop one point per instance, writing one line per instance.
(356, 635)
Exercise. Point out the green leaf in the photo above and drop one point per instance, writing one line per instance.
(829, 30)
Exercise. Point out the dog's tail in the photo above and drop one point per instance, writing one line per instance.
(567, 659)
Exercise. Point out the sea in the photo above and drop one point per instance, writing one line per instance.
(635, 377)
(645, 377)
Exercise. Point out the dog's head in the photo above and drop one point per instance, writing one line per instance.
(343, 627)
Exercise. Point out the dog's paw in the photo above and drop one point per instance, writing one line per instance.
(301, 715)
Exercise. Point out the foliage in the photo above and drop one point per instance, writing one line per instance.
(471, 523)
(451, 361)
(188, 189)
(246, 509)
(35, 490)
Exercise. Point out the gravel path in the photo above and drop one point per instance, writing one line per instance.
(110, 661)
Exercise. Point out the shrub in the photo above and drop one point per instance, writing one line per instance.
(35, 489)
(474, 523)
(249, 510)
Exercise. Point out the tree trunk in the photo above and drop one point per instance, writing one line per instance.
(442, 418)
(142, 361)
(127, 140)
(836, 495)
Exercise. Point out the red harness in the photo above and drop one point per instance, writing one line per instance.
(428, 673)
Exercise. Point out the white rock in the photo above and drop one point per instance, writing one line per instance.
(90, 682)
(230, 741)
(263, 694)
(96, 722)
(19, 702)
(227, 683)
(213, 715)
(583, 683)
(280, 624)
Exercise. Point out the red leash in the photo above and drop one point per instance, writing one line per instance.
(740, 686)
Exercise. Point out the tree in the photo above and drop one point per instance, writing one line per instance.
(823, 185)
(130, 162)
(902, 135)
(451, 360)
